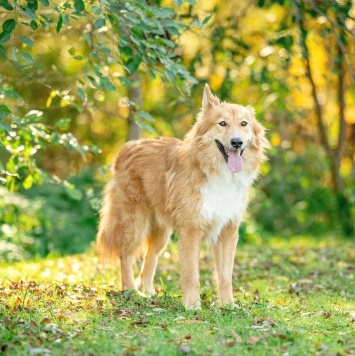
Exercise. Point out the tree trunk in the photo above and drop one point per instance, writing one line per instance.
(135, 95)
(334, 155)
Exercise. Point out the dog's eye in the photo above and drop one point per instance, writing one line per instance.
(244, 123)
(222, 123)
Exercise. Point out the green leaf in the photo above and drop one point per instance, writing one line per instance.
(9, 25)
(142, 26)
(28, 182)
(79, 5)
(45, 3)
(94, 82)
(33, 25)
(74, 193)
(5, 4)
(148, 127)
(178, 3)
(4, 37)
(101, 22)
(63, 124)
(106, 83)
(4, 111)
(32, 5)
(163, 12)
(96, 10)
(81, 93)
(4, 125)
(2, 52)
(169, 43)
(125, 81)
(33, 116)
(27, 57)
(206, 19)
(145, 115)
(173, 30)
(170, 75)
(133, 63)
(27, 41)
(104, 49)
(59, 24)
(31, 13)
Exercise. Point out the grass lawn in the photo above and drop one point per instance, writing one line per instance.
(294, 297)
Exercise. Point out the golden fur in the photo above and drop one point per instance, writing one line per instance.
(163, 184)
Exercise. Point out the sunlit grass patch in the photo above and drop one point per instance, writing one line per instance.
(294, 297)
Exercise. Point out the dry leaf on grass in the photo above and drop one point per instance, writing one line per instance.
(253, 340)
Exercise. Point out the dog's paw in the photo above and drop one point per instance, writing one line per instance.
(194, 306)
(144, 290)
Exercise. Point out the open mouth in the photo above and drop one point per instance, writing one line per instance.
(232, 157)
(222, 150)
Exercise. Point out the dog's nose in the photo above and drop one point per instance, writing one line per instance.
(236, 142)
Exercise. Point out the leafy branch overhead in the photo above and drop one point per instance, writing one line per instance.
(131, 34)
(113, 41)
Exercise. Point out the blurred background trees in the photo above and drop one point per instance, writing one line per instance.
(78, 79)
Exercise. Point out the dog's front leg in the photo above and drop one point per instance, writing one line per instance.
(189, 252)
(224, 252)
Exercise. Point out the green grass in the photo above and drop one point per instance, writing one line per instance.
(294, 298)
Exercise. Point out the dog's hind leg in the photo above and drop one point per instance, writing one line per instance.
(134, 229)
(155, 245)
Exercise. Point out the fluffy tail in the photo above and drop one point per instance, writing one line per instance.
(107, 237)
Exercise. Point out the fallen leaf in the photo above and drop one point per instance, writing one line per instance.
(253, 340)
(229, 342)
(33, 324)
(236, 336)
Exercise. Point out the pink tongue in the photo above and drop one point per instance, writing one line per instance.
(235, 162)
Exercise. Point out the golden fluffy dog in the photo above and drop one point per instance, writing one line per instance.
(198, 186)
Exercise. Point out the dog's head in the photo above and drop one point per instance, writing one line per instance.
(232, 129)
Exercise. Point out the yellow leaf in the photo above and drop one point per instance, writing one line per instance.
(275, 140)
(216, 81)
(52, 95)
(350, 115)
(345, 166)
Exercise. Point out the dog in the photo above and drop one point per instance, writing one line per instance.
(198, 186)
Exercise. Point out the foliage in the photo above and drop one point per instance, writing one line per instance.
(115, 40)
(48, 219)
(294, 297)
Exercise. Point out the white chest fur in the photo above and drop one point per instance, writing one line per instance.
(224, 199)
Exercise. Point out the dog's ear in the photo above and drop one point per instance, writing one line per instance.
(259, 140)
(209, 100)
(257, 128)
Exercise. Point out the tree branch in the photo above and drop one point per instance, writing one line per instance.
(341, 99)
(318, 107)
